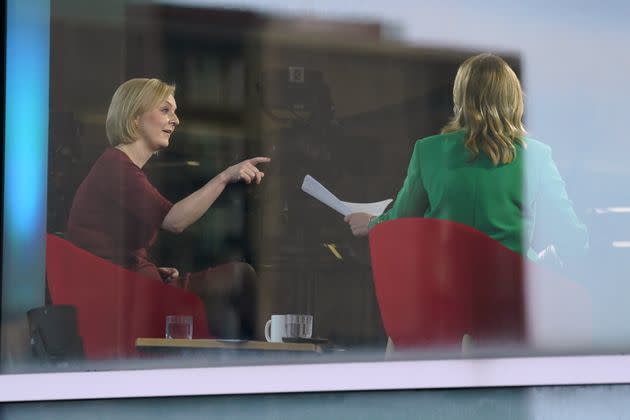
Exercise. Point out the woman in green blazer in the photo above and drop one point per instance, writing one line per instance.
(483, 172)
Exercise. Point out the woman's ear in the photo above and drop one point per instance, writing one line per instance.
(138, 123)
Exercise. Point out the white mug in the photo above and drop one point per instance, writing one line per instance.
(275, 328)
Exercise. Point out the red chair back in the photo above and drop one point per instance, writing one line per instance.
(437, 280)
(114, 305)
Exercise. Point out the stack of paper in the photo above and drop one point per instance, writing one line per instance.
(318, 191)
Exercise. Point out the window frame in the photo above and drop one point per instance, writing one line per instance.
(317, 377)
(325, 377)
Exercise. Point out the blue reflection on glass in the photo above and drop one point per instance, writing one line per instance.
(26, 153)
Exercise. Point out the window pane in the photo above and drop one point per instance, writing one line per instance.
(212, 161)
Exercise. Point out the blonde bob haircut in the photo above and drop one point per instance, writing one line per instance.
(132, 99)
(488, 106)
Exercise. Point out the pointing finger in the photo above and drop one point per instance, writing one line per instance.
(260, 159)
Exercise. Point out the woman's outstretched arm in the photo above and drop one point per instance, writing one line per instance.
(188, 210)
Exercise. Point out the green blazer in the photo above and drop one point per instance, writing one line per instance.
(501, 201)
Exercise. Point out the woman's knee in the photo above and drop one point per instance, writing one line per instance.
(235, 278)
(246, 279)
(245, 271)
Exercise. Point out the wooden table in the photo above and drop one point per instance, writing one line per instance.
(149, 344)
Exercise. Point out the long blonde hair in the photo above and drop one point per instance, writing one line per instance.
(488, 106)
(132, 99)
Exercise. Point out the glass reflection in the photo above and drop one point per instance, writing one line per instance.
(497, 259)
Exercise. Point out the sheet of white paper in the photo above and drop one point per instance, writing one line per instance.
(318, 191)
(312, 187)
(371, 208)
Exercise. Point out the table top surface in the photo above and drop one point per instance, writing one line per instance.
(174, 343)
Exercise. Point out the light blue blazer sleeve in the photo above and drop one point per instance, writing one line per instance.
(552, 207)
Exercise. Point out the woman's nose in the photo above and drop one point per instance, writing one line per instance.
(175, 120)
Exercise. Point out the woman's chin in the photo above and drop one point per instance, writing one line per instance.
(162, 144)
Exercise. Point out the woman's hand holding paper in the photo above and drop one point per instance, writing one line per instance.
(359, 223)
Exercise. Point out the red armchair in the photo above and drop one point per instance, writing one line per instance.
(438, 280)
(114, 305)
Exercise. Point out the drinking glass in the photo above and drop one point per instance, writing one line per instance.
(299, 326)
(179, 326)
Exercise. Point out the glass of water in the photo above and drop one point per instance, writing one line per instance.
(179, 326)
(299, 326)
